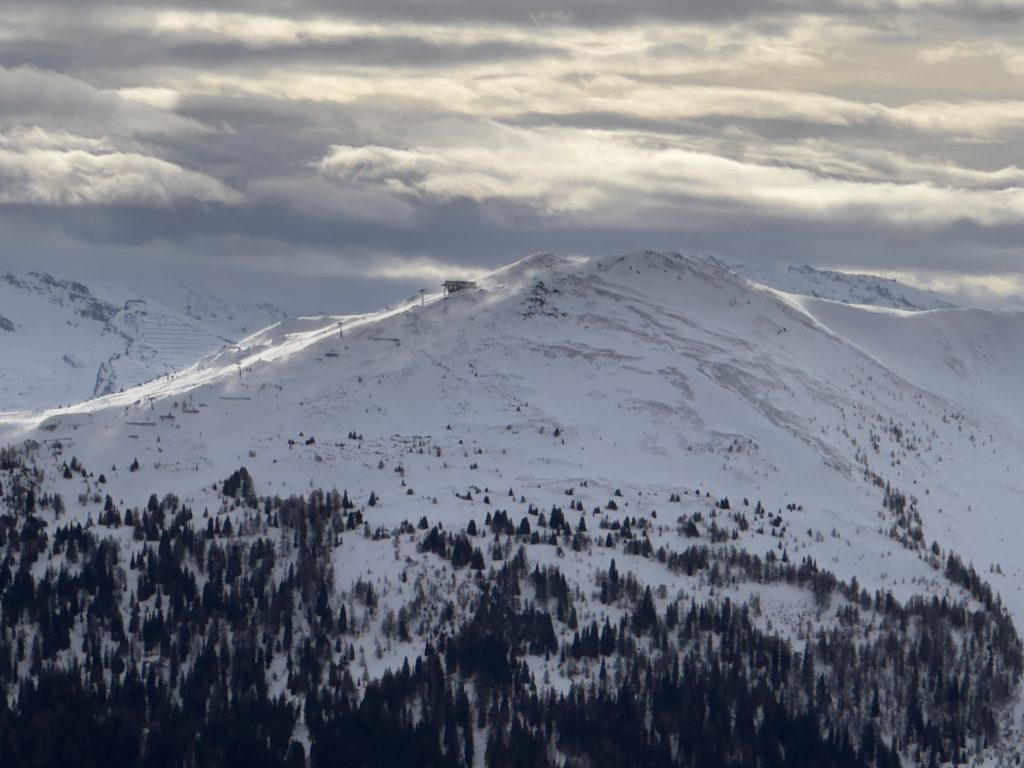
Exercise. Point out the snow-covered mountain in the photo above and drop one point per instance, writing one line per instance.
(845, 287)
(662, 398)
(228, 318)
(655, 369)
(64, 341)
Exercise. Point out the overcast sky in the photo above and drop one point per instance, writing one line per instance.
(338, 156)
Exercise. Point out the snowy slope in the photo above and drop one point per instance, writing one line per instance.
(229, 319)
(848, 288)
(645, 374)
(659, 371)
(64, 341)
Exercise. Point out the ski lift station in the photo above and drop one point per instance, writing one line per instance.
(453, 286)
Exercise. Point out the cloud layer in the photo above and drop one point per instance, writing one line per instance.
(388, 143)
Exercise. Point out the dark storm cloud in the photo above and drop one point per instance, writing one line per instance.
(377, 52)
(497, 11)
(351, 155)
(395, 51)
(31, 96)
(586, 12)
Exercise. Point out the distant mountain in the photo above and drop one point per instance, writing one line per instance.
(845, 287)
(227, 318)
(64, 341)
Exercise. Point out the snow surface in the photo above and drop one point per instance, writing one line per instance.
(64, 341)
(646, 373)
(845, 287)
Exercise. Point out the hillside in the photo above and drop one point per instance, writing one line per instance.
(65, 341)
(672, 435)
(844, 287)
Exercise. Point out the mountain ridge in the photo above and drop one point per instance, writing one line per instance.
(845, 287)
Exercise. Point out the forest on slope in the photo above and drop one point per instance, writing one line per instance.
(165, 636)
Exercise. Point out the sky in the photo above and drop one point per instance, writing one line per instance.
(340, 156)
